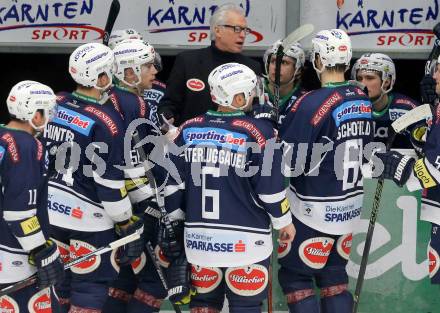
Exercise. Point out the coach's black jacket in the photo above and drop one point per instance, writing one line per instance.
(184, 97)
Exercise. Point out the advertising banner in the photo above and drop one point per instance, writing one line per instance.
(377, 25)
(165, 23)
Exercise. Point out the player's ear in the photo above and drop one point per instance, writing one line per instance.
(38, 118)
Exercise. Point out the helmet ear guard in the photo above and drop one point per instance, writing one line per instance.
(27, 97)
(230, 79)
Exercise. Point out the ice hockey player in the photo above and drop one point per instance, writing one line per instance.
(135, 72)
(25, 246)
(153, 94)
(377, 72)
(326, 194)
(423, 174)
(228, 203)
(291, 70)
(88, 203)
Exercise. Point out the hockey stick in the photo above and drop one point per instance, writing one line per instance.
(417, 114)
(113, 13)
(160, 272)
(298, 34)
(435, 52)
(111, 246)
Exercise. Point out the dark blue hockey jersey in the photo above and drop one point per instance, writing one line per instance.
(397, 105)
(229, 195)
(325, 132)
(152, 97)
(23, 198)
(86, 147)
(132, 107)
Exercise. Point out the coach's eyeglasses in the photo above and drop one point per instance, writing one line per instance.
(238, 29)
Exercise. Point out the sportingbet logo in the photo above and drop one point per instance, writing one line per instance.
(73, 120)
(217, 137)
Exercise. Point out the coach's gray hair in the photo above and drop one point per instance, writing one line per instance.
(219, 16)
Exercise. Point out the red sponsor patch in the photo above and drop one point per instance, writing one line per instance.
(359, 91)
(193, 120)
(138, 264)
(240, 246)
(107, 120)
(40, 302)
(77, 213)
(407, 102)
(73, 70)
(79, 248)
(115, 102)
(12, 147)
(434, 261)
(12, 98)
(39, 150)
(205, 279)
(247, 280)
(343, 48)
(298, 102)
(253, 131)
(163, 261)
(7, 304)
(325, 108)
(60, 98)
(283, 249)
(64, 250)
(142, 107)
(314, 252)
(195, 84)
(344, 245)
(159, 83)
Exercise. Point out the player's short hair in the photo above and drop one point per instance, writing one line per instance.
(220, 15)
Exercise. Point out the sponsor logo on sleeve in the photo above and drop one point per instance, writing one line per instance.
(30, 225)
(253, 130)
(314, 252)
(205, 279)
(12, 147)
(74, 120)
(195, 84)
(423, 174)
(334, 99)
(247, 280)
(105, 118)
(283, 249)
(285, 206)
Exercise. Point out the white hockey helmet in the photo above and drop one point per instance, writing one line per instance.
(132, 53)
(90, 60)
(333, 47)
(26, 97)
(122, 34)
(376, 62)
(230, 79)
(295, 51)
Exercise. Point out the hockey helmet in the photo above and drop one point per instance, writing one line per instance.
(120, 35)
(295, 51)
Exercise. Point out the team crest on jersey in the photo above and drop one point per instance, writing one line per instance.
(40, 302)
(64, 250)
(343, 245)
(283, 249)
(434, 261)
(163, 261)
(205, 279)
(7, 304)
(195, 84)
(247, 280)
(314, 252)
(79, 248)
(137, 265)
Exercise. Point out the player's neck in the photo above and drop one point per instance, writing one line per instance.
(331, 77)
(89, 92)
(24, 126)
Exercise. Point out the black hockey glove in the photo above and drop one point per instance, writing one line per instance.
(266, 112)
(178, 274)
(427, 89)
(50, 267)
(172, 246)
(132, 250)
(397, 166)
(151, 220)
